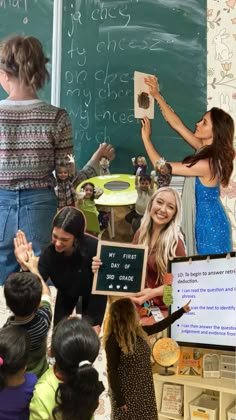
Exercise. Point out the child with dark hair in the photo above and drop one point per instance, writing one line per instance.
(16, 386)
(70, 390)
(28, 297)
(104, 164)
(65, 174)
(162, 173)
(86, 202)
(144, 186)
(140, 165)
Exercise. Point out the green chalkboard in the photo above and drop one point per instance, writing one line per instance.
(103, 43)
(29, 17)
(123, 269)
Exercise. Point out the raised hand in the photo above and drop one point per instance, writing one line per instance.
(139, 170)
(71, 158)
(153, 85)
(21, 248)
(146, 130)
(81, 194)
(98, 192)
(106, 150)
(32, 262)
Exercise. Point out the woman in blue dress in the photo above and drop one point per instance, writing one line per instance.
(205, 224)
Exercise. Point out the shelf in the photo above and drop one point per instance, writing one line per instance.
(193, 387)
(169, 416)
(214, 384)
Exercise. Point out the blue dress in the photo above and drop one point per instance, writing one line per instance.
(212, 227)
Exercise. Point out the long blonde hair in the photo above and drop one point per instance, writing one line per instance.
(123, 322)
(169, 236)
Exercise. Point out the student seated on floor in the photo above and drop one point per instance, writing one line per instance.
(28, 297)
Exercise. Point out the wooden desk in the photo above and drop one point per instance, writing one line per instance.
(118, 190)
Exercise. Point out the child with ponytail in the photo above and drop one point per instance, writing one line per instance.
(70, 390)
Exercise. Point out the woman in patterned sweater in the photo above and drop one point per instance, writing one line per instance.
(34, 138)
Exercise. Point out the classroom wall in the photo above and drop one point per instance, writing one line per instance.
(221, 77)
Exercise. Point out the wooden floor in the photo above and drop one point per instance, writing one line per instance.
(123, 231)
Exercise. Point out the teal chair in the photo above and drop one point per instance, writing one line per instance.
(92, 224)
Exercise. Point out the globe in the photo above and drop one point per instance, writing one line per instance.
(166, 352)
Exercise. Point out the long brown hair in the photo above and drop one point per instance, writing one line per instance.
(123, 322)
(220, 153)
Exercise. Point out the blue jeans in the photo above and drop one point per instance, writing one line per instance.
(31, 211)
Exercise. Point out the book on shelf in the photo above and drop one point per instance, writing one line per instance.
(190, 362)
(211, 365)
(172, 401)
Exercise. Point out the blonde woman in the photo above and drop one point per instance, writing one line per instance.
(160, 231)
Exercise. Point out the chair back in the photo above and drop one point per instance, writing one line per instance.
(92, 223)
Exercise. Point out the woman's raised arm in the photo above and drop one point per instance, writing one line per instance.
(170, 116)
(200, 169)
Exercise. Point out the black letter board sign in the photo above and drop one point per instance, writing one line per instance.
(123, 270)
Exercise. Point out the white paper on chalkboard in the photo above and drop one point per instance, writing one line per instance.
(143, 101)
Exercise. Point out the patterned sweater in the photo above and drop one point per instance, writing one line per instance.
(34, 138)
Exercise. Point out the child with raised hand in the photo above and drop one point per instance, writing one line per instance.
(65, 173)
(144, 185)
(140, 165)
(86, 198)
(128, 359)
(28, 297)
(16, 386)
(162, 173)
(70, 390)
